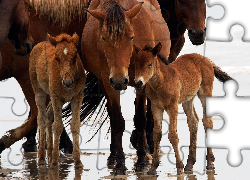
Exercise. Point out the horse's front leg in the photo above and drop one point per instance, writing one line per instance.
(57, 128)
(157, 135)
(117, 125)
(140, 125)
(75, 125)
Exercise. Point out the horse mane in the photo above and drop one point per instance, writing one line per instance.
(60, 11)
(159, 55)
(115, 19)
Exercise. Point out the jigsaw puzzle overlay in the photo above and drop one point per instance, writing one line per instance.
(224, 45)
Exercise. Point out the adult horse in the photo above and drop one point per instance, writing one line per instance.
(43, 19)
(14, 24)
(107, 46)
(182, 15)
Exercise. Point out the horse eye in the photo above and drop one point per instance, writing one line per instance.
(150, 65)
(104, 39)
(131, 39)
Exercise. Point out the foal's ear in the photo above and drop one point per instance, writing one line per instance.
(137, 49)
(157, 49)
(51, 39)
(97, 14)
(75, 39)
(134, 11)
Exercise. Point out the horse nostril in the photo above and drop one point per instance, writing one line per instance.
(126, 81)
(191, 31)
(138, 84)
(111, 80)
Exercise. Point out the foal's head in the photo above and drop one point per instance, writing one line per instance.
(116, 39)
(145, 64)
(66, 55)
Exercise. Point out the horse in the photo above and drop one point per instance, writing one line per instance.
(41, 22)
(169, 84)
(107, 45)
(14, 20)
(182, 15)
(56, 70)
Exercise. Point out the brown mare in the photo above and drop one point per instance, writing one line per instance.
(173, 84)
(56, 70)
(107, 45)
(18, 66)
(14, 24)
(182, 15)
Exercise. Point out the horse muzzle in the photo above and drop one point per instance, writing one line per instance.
(197, 37)
(25, 49)
(119, 84)
(68, 83)
(138, 85)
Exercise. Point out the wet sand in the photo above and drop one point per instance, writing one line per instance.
(16, 165)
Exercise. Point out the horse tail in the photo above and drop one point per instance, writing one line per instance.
(93, 98)
(220, 75)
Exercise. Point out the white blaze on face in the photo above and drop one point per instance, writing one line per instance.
(65, 51)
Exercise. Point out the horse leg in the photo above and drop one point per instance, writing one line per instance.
(140, 125)
(41, 120)
(49, 135)
(176, 46)
(18, 133)
(75, 125)
(57, 129)
(173, 136)
(206, 91)
(117, 125)
(150, 127)
(193, 121)
(157, 135)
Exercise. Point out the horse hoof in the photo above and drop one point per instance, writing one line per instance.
(188, 169)
(2, 146)
(141, 168)
(210, 167)
(179, 171)
(120, 171)
(111, 161)
(152, 172)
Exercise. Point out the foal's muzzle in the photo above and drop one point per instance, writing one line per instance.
(68, 83)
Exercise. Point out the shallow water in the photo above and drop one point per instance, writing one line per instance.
(15, 164)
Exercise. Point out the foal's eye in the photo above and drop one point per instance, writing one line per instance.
(104, 39)
(150, 65)
(131, 39)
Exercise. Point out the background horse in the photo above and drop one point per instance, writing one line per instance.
(14, 24)
(41, 23)
(56, 70)
(107, 45)
(173, 84)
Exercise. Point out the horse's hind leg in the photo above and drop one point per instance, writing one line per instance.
(192, 120)
(75, 125)
(207, 121)
(157, 135)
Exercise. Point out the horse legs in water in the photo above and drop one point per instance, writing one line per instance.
(65, 142)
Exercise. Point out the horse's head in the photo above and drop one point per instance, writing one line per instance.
(18, 15)
(66, 55)
(116, 40)
(145, 64)
(193, 13)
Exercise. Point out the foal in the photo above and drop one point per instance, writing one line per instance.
(56, 69)
(173, 84)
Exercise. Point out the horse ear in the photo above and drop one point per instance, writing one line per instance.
(134, 11)
(51, 39)
(137, 49)
(157, 49)
(75, 38)
(97, 14)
